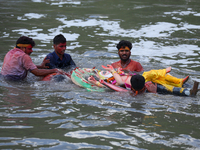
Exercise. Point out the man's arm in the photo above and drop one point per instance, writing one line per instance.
(117, 77)
(29, 65)
(51, 62)
(43, 64)
(44, 72)
(139, 67)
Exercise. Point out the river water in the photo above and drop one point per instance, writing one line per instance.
(61, 115)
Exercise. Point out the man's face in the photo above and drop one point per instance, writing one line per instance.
(124, 54)
(60, 48)
(28, 50)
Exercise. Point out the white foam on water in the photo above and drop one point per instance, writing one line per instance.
(45, 38)
(67, 2)
(31, 16)
(59, 3)
(160, 29)
(82, 134)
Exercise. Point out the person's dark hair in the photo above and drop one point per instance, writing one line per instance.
(25, 40)
(123, 44)
(137, 82)
(59, 39)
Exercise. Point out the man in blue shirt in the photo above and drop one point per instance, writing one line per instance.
(58, 58)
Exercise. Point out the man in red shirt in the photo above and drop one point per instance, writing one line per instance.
(127, 64)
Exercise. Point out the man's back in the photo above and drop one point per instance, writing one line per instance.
(17, 64)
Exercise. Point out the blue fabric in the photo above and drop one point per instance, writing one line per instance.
(56, 62)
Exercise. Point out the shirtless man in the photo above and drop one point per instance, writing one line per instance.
(124, 52)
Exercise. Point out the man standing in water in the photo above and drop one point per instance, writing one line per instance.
(18, 62)
(124, 52)
(58, 58)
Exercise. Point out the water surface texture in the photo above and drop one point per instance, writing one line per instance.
(61, 115)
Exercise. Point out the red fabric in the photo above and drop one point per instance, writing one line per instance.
(17, 63)
(132, 66)
(49, 77)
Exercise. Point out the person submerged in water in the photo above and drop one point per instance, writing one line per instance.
(58, 58)
(155, 81)
(124, 51)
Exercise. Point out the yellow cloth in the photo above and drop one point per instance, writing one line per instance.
(160, 77)
(24, 45)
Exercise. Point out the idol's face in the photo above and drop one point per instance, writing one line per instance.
(105, 74)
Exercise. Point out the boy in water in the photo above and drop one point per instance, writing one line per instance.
(58, 58)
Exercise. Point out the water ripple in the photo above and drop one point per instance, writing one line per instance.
(82, 134)
(43, 114)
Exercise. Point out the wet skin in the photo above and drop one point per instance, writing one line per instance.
(27, 50)
(60, 49)
(124, 54)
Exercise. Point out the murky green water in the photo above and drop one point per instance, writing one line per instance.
(61, 115)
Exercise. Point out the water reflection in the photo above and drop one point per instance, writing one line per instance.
(13, 98)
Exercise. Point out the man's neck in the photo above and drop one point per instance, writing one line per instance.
(124, 64)
(60, 56)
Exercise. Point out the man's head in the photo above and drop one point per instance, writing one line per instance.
(124, 50)
(137, 82)
(26, 44)
(59, 44)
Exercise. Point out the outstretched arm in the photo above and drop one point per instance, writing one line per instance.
(44, 72)
(117, 77)
(43, 64)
